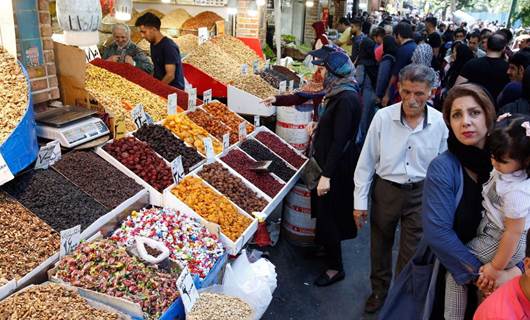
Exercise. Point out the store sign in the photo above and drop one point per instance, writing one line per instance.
(70, 240)
(48, 155)
(203, 35)
(177, 169)
(172, 104)
(208, 149)
(192, 99)
(188, 291)
(5, 174)
(91, 53)
(139, 116)
(207, 96)
(242, 131)
(226, 141)
(256, 121)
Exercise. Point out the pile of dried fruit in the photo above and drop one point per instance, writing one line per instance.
(190, 133)
(204, 19)
(187, 43)
(213, 125)
(242, 163)
(174, 19)
(189, 242)
(142, 160)
(259, 152)
(106, 267)
(211, 59)
(255, 85)
(212, 306)
(13, 94)
(238, 49)
(51, 301)
(220, 111)
(98, 178)
(25, 240)
(55, 200)
(276, 145)
(233, 187)
(212, 206)
(167, 145)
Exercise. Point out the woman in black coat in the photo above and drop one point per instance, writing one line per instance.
(335, 152)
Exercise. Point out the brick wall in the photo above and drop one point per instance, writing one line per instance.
(249, 26)
(340, 11)
(312, 15)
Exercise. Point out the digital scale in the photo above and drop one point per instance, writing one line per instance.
(71, 126)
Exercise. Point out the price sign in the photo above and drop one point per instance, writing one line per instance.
(70, 240)
(188, 291)
(192, 99)
(187, 86)
(226, 141)
(139, 116)
(283, 86)
(119, 128)
(207, 96)
(177, 169)
(291, 85)
(91, 53)
(203, 35)
(172, 104)
(256, 121)
(244, 69)
(48, 155)
(242, 131)
(208, 149)
(255, 66)
(268, 64)
(5, 174)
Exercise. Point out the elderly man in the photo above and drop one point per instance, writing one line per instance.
(401, 142)
(122, 50)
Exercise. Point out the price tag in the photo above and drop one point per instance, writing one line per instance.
(256, 121)
(48, 155)
(242, 131)
(139, 116)
(187, 86)
(119, 128)
(188, 291)
(5, 174)
(226, 141)
(177, 169)
(268, 64)
(283, 86)
(70, 240)
(203, 35)
(172, 104)
(291, 85)
(91, 53)
(244, 69)
(208, 149)
(207, 96)
(192, 99)
(255, 66)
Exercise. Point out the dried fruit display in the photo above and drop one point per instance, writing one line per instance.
(255, 85)
(167, 145)
(25, 240)
(204, 19)
(98, 178)
(106, 267)
(220, 111)
(13, 94)
(55, 200)
(142, 160)
(238, 50)
(233, 187)
(211, 59)
(189, 242)
(174, 19)
(212, 206)
(259, 152)
(189, 132)
(51, 301)
(214, 126)
(187, 43)
(242, 163)
(213, 306)
(284, 151)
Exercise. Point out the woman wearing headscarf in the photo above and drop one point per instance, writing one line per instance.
(460, 54)
(320, 35)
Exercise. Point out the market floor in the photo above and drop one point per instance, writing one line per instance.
(297, 298)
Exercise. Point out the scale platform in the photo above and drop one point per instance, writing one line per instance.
(71, 126)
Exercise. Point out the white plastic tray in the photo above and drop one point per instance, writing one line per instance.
(243, 102)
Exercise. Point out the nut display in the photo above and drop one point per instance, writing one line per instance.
(259, 152)
(167, 145)
(51, 301)
(278, 147)
(255, 85)
(55, 200)
(106, 267)
(238, 50)
(204, 19)
(192, 134)
(142, 160)
(13, 94)
(212, 206)
(212, 306)
(25, 240)
(220, 111)
(214, 126)
(95, 176)
(242, 163)
(211, 59)
(189, 242)
(233, 187)
(187, 43)
(174, 19)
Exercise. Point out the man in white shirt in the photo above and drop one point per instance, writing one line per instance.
(401, 142)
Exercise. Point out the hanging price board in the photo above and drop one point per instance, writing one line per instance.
(70, 240)
(172, 104)
(207, 96)
(177, 169)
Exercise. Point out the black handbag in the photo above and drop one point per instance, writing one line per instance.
(311, 173)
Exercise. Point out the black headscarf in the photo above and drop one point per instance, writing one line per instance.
(472, 158)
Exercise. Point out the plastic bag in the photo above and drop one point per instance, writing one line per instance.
(252, 282)
(142, 253)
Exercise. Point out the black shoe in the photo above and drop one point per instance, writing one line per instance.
(324, 280)
(374, 303)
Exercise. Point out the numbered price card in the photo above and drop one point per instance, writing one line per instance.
(192, 99)
(48, 155)
(188, 291)
(172, 104)
(207, 96)
(5, 173)
(139, 116)
(70, 240)
(177, 169)
(208, 149)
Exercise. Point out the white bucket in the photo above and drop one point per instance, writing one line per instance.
(291, 126)
(297, 221)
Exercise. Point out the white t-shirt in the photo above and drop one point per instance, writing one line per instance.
(507, 196)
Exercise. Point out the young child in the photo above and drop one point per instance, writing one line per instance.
(501, 237)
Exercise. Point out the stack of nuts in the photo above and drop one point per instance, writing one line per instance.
(261, 153)
(49, 301)
(26, 240)
(191, 133)
(13, 94)
(284, 151)
(255, 85)
(220, 111)
(212, 206)
(213, 125)
(142, 160)
(233, 187)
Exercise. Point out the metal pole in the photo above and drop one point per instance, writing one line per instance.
(512, 12)
(278, 29)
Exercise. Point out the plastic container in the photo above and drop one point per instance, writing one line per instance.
(297, 221)
(291, 126)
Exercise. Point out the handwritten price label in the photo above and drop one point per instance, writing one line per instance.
(70, 240)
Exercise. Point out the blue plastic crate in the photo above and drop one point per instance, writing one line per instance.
(213, 276)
